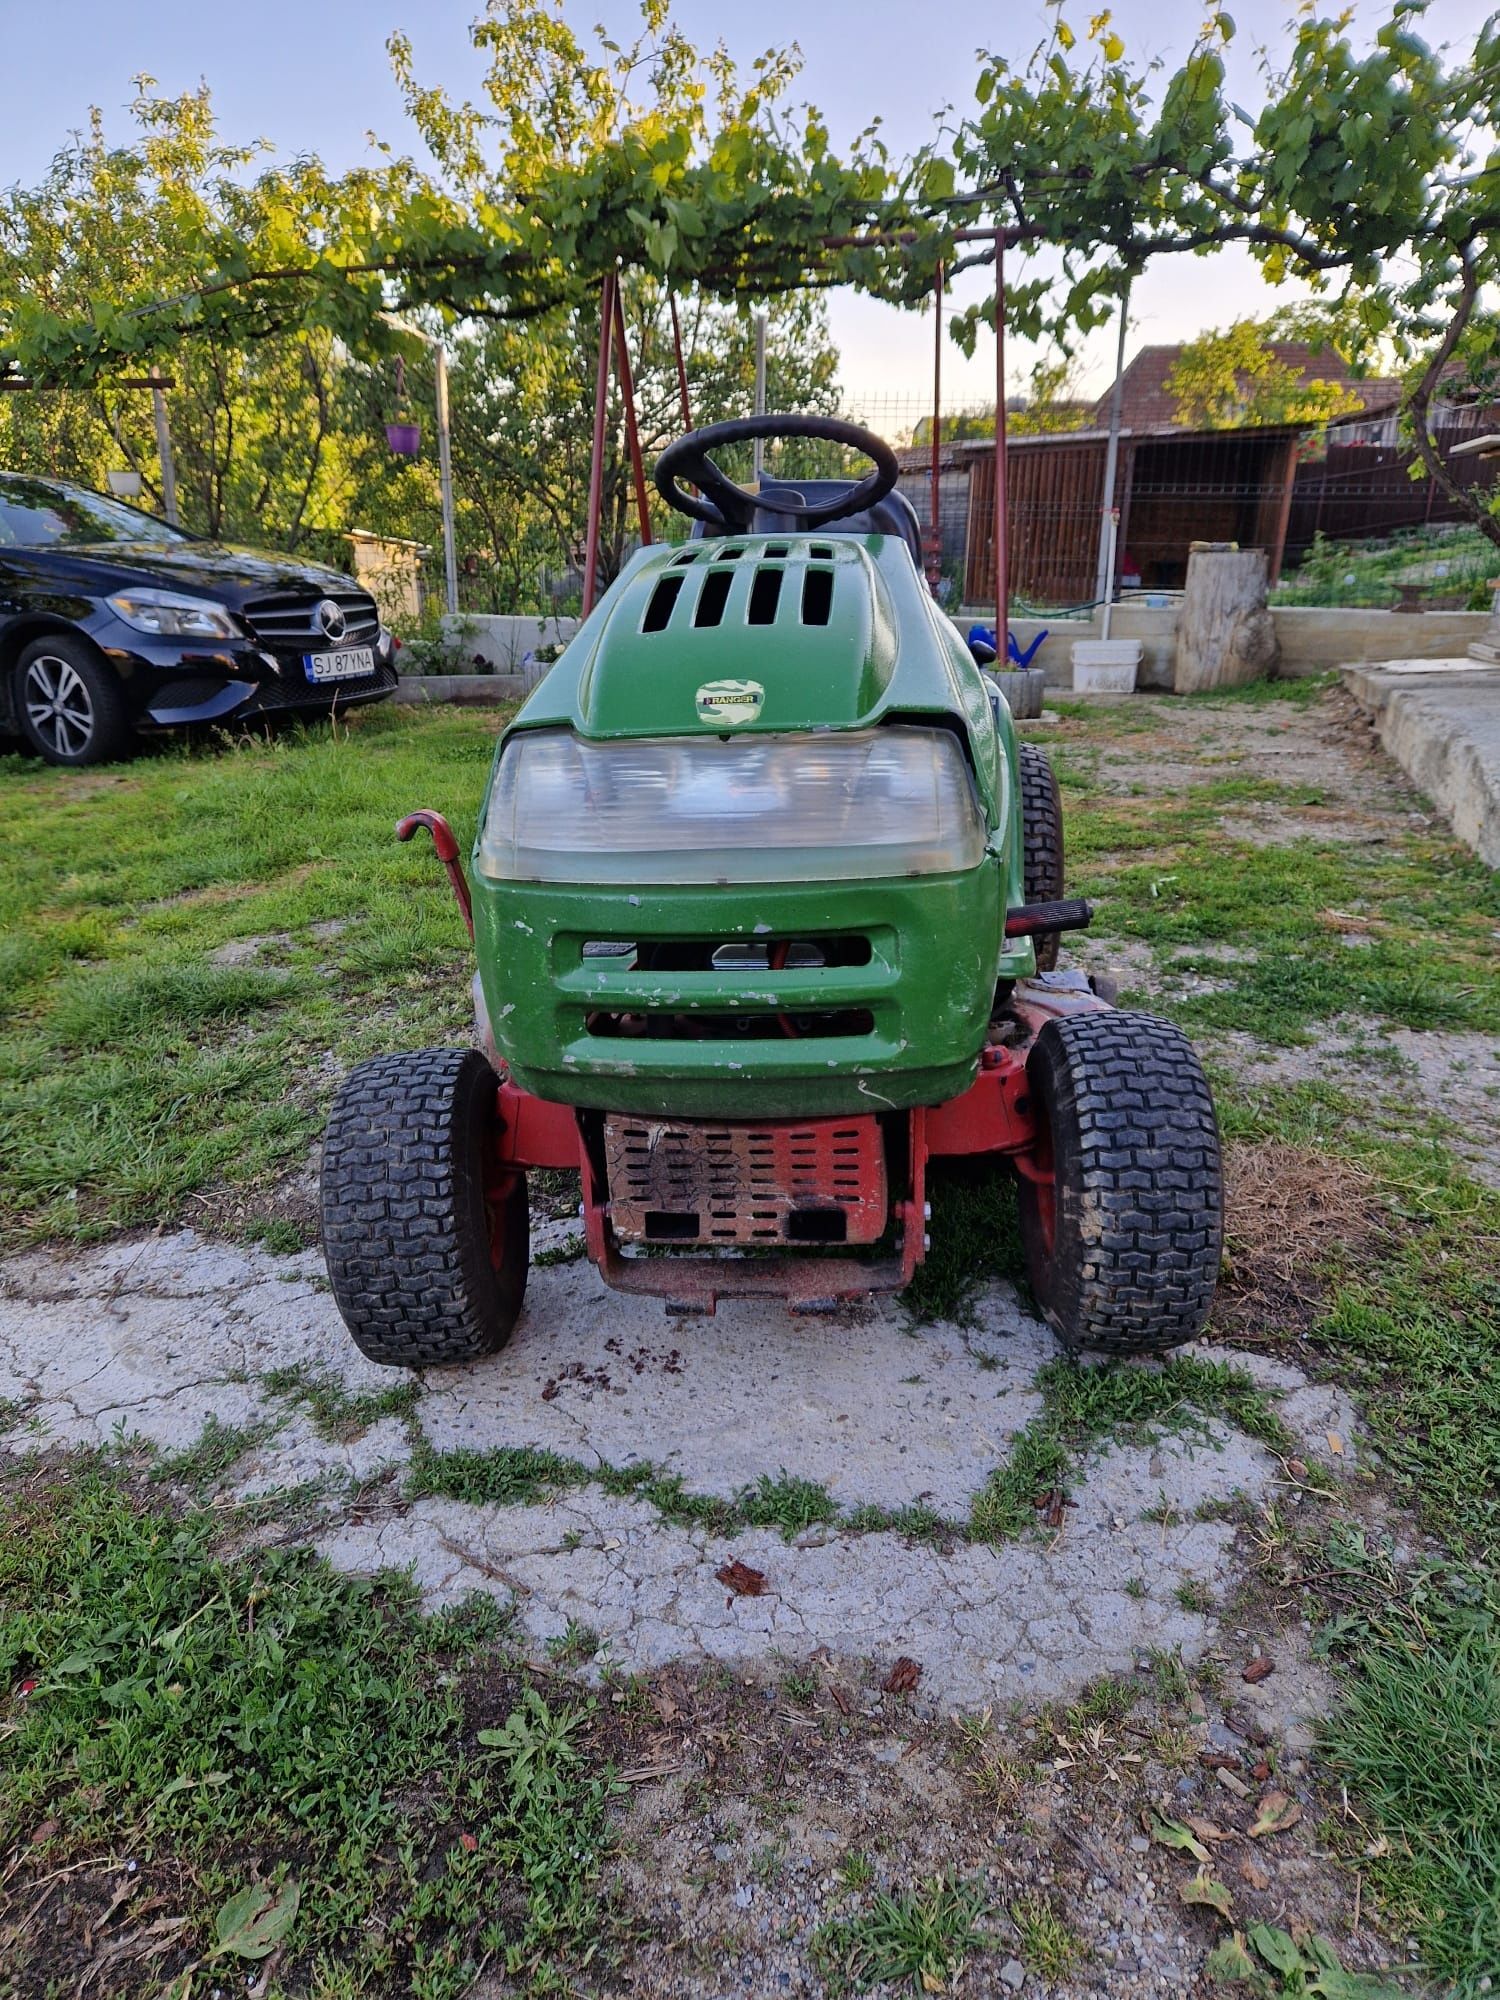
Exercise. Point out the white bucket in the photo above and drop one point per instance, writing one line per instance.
(1105, 666)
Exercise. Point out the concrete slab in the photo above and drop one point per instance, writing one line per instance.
(1441, 723)
(152, 1338)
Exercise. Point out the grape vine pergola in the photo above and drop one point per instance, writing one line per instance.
(1371, 173)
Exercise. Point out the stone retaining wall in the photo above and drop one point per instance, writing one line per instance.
(1313, 639)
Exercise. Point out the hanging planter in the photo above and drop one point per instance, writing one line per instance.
(403, 436)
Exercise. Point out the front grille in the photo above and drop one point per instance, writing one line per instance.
(277, 697)
(820, 1181)
(291, 623)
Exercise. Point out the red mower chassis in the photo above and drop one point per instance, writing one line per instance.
(993, 1116)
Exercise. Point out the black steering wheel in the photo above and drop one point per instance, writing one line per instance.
(723, 504)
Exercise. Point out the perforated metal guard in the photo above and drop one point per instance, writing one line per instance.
(821, 1181)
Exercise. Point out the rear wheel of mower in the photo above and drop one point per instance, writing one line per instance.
(1041, 843)
(426, 1243)
(1122, 1244)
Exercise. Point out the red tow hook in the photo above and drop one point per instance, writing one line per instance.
(447, 853)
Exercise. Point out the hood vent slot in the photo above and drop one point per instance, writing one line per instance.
(659, 610)
(713, 597)
(765, 595)
(817, 596)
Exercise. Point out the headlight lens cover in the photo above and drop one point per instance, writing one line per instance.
(845, 805)
(173, 617)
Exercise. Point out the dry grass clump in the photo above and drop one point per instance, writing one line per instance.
(1292, 1214)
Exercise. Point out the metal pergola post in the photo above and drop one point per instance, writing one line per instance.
(445, 477)
(164, 449)
(1002, 574)
(1104, 578)
(682, 380)
(760, 393)
(596, 457)
(632, 429)
(935, 535)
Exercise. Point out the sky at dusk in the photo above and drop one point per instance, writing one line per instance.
(312, 76)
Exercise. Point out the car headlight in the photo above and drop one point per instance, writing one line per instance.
(172, 617)
(870, 802)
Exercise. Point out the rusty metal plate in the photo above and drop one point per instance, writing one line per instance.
(820, 1181)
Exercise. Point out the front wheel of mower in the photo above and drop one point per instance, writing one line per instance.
(1122, 1241)
(426, 1242)
(1041, 843)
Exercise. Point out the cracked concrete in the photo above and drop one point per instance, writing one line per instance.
(150, 1339)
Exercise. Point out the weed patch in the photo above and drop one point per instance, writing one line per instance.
(1048, 1945)
(337, 1413)
(1416, 1735)
(921, 1939)
(1082, 1406)
(213, 1454)
(260, 1717)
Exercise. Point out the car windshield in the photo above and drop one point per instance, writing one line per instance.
(36, 514)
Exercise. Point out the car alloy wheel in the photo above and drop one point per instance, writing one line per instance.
(58, 705)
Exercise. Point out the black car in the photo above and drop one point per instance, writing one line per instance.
(112, 622)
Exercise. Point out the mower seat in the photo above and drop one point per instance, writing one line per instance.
(894, 515)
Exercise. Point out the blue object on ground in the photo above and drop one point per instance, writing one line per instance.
(1013, 653)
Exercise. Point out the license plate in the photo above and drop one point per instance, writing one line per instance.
(351, 663)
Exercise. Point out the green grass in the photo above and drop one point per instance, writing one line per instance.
(1166, 876)
(1161, 869)
(976, 1238)
(1419, 1332)
(920, 1940)
(337, 1413)
(1048, 1945)
(1416, 1737)
(137, 1070)
(507, 1475)
(1082, 1406)
(213, 1454)
(218, 1715)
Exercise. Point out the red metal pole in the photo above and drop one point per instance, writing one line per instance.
(632, 435)
(682, 387)
(935, 538)
(596, 461)
(1002, 578)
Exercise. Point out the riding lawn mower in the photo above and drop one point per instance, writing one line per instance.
(767, 898)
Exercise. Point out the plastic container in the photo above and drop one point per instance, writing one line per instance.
(1105, 666)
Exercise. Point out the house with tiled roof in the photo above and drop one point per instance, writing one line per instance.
(1147, 404)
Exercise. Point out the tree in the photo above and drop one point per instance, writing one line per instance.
(273, 439)
(1223, 380)
(523, 407)
(1371, 173)
(1053, 404)
(1368, 171)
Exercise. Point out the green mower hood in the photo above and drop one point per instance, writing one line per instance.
(756, 633)
(610, 984)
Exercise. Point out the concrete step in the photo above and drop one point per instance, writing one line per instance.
(1440, 720)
